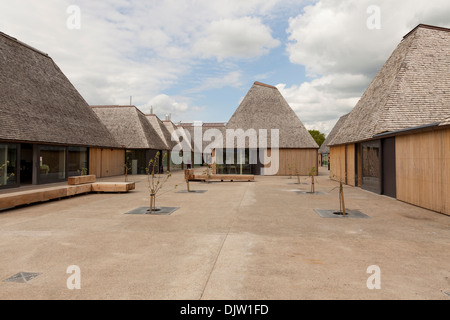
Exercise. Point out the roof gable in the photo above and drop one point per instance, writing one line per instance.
(412, 88)
(265, 108)
(39, 104)
(130, 127)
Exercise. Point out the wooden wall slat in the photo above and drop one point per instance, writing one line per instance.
(350, 170)
(337, 163)
(301, 160)
(106, 162)
(423, 169)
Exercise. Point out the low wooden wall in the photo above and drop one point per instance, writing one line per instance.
(294, 160)
(423, 169)
(106, 162)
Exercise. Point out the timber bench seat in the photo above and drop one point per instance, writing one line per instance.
(19, 198)
(221, 177)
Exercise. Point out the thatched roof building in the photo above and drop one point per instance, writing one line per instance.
(412, 88)
(38, 104)
(164, 133)
(190, 127)
(130, 127)
(265, 108)
(325, 149)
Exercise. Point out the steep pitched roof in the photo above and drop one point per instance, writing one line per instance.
(445, 122)
(130, 127)
(412, 88)
(39, 104)
(325, 149)
(171, 128)
(265, 108)
(162, 131)
(190, 127)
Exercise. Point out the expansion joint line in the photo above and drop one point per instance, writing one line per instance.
(222, 244)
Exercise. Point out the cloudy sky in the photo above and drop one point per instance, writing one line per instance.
(196, 59)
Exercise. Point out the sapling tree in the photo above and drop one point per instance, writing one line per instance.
(313, 173)
(83, 171)
(156, 180)
(126, 169)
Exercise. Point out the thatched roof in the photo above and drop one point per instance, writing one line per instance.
(171, 127)
(325, 149)
(39, 104)
(412, 88)
(190, 127)
(265, 108)
(129, 127)
(164, 134)
(445, 122)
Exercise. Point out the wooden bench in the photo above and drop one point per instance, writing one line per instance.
(190, 176)
(14, 199)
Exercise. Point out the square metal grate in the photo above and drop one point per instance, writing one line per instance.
(332, 214)
(160, 211)
(22, 277)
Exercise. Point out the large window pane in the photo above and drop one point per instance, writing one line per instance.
(371, 175)
(8, 165)
(136, 161)
(52, 164)
(77, 161)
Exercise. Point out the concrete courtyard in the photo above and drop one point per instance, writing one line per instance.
(258, 240)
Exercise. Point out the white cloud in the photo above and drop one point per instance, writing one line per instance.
(242, 38)
(138, 48)
(332, 40)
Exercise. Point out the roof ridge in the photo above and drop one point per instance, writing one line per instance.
(426, 26)
(257, 83)
(397, 81)
(24, 44)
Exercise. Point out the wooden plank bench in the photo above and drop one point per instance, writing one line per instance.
(14, 199)
(190, 176)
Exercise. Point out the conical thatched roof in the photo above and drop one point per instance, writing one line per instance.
(325, 149)
(161, 129)
(39, 104)
(171, 127)
(265, 108)
(412, 88)
(129, 127)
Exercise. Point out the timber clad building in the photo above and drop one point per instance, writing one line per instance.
(396, 141)
(47, 130)
(265, 108)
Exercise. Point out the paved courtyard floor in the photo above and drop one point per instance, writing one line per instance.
(260, 240)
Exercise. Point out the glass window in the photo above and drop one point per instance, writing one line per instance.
(77, 163)
(137, 161)
(52, 162)
(371, 175)
(8, 165)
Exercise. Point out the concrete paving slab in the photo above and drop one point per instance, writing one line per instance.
(237, 241)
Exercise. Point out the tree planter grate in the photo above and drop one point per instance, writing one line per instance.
(161, 211)
(193, 191)
(334, 214)
(317, 193)
(22, 277)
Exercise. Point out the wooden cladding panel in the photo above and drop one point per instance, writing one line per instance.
(350, 165)
(337, 163)
(423, 169)
(296, 160)
(106, 162)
